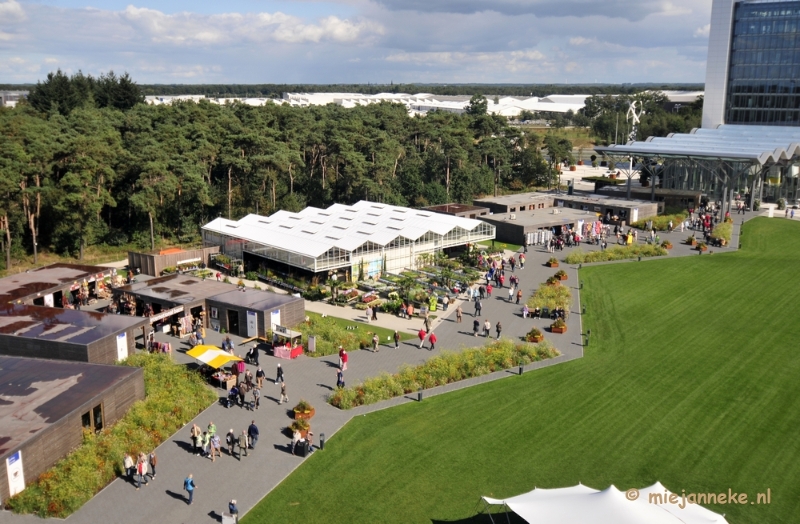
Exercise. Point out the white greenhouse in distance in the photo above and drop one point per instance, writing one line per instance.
(367, 236)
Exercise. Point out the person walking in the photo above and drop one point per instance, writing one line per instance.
(279, 375)
(230, 439)
(141, 471)
(375, 313)
(498, 327)
(215, 448)
(339, 378)
(396, 339)
(522, 260)
(196, 433)
(189, 486)
(344, 358)
(458, 314)
(421, 336)
(260, 376)
(212, 429)
(519, 295)
(243, 444)
(233, 509)
(476, 326)
(375, 341)
(369, 314)
(432, 339)
(510, 293)
(153, 459)
(489, 289)
(256, 398)
(252, 432)
(127, 463)
(205, 441)
(284, 398)
(487, 328)
(478, 307)
(427, 323)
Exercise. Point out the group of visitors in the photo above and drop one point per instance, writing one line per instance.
(138, 471)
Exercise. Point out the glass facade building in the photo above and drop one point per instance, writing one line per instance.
(764, 68)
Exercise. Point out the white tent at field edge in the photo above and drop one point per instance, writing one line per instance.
(609, 506)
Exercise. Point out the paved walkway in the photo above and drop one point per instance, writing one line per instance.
(250, 479)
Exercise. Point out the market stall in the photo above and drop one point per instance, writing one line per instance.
(215, 358)
(286, 343)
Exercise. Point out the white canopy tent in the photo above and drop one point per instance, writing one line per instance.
(610, 506)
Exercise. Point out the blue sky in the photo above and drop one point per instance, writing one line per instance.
(358, 41)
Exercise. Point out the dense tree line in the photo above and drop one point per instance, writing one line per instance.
(104, 175)
(607, 116)
(277, 90)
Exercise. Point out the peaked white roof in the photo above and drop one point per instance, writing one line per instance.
(762, 144)
(313, 231)
(610, 506)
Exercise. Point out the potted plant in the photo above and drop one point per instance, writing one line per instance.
(302, 426)
(303, 410)
(572, 166)
(702, 246)
(691, 241)
(553, 262)
(756, 205)
(559, 326)
(534, 335)
(561, 274)
(553, 281)
(666, 244)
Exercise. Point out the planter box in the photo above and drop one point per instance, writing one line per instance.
(668, 246)
(304, 415)
(580, 162)
(563, 277)
(693, 244)
(558, 329)
(703, 248)
(573, 168)
(552, 264)
(538, 339)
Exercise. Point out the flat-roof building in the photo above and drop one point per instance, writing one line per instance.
(45, 405)
(244, 312)
(49, 285)
(364, 239)
(459, 210)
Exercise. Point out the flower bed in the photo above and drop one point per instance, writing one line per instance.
(661, 223)
(551, 297)
(443, 369)
(175, 396)
(615, 253)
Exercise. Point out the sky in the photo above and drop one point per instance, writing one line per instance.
(357, 41)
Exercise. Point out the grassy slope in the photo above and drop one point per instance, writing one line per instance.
(691, 379)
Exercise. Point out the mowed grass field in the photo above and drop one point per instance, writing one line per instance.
(692, 378)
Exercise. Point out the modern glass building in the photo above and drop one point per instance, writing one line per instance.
(753, 64)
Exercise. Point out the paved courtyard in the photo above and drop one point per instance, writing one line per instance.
(248, 480)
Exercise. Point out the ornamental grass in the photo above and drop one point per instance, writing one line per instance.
(615, 253)
(443, 369)
(661, 223)
(174, 396)
(551, 297)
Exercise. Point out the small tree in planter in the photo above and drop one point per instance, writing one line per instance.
(561, 274)
(553, 281)
(702, 246)
(559, 326)
(692, 241)
(301, 425)
(303, 410)
(534, 335)
(553, 262)
(666, 244)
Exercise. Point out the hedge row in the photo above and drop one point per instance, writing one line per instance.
(174, 396)
(443, 369)
(615, 253)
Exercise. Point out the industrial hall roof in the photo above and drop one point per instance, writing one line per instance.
(314, 231)
(758, 144)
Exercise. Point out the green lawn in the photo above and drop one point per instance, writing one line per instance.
(692, 378)
(361, 327)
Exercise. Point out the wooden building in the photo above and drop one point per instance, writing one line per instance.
(67, 334)
(45, 406)
(50, 285)
(154, 263)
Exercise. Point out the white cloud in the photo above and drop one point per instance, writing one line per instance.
(230, 28)
(579, 40)
(702, 32)
(11, 12)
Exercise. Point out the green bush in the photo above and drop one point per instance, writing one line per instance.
(661, 223)
(251, 275)
(549, 296)
(724, 230)
(443, 369)
(174, 396)
(615, 253)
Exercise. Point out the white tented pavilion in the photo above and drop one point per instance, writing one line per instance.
(367, 235)
(610, 506)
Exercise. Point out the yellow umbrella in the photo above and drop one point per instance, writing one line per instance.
(212, 356)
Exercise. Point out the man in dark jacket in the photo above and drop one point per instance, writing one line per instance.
(252, 432)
